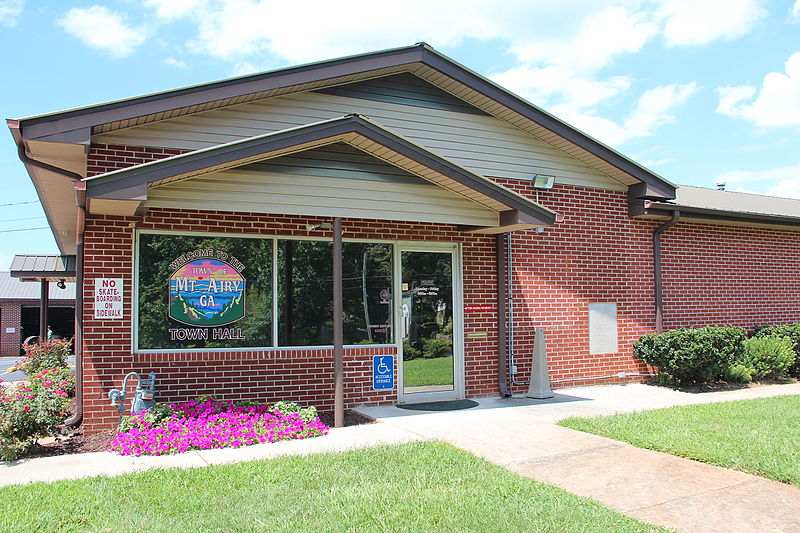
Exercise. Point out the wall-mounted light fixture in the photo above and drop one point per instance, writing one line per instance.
(542, 181)
(323, 225)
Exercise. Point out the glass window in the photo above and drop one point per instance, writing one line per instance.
(366, 293)
(204, 292)
(305, 293)
(217, 292)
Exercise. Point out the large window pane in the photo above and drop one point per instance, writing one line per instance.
(204, 292)
(305, 293)
(367, 286)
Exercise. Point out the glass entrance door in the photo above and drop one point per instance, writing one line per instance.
(430, 326)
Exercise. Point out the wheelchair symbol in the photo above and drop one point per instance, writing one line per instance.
(383, 368)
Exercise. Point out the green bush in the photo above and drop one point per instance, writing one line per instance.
(691, 356)
(44, 355)
(433, 348)
(768, 357)
(792, 331)
(28, 413)
(410, 351)
(738, 373)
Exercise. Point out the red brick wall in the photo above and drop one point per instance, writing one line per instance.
(597, 254)
(716, 274)
(302, 375)
(10, 317)
(713, 274)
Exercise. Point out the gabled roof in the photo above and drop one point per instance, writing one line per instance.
(516, 211)
(74, 124)
(53, 145)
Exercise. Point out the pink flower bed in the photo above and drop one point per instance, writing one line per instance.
(209, 423)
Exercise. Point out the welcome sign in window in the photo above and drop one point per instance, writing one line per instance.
(198, 292)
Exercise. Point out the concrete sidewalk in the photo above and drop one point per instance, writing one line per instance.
(520, 434)
(654, 487)
(83, 465)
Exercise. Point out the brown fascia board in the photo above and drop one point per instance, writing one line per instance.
(75, 122)
(660, 209)
(133, 178)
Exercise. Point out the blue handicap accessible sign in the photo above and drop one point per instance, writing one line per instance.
(383, 372)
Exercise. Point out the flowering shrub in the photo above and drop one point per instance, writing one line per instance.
(30, 412)
(45, 355)
(208, 423)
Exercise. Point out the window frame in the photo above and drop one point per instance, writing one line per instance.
(275, 238)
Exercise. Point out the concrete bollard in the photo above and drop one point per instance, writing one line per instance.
(540, 379)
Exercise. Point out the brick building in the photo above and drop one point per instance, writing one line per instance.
(20, 312)
(389, 227)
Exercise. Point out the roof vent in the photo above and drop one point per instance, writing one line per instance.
(721, 185)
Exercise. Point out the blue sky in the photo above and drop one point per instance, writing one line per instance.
(697, 90)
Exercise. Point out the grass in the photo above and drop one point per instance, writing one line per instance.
(755, 436)
(435, 371)
(413, 487)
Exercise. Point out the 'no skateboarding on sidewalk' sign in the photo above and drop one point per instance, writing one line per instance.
(383, 372)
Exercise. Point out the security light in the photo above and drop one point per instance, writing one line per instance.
(540, 181)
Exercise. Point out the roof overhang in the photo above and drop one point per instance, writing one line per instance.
(662, 210)
(61, 139)
(43, 267)
(130, 186)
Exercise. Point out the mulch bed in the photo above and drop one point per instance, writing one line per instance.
(78, 442)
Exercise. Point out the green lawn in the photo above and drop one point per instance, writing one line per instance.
(413, 487)
(434, 371)
(755, 436)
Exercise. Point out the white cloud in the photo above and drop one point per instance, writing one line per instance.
(776, 104)
(794, 12)
(653, 109)
(101, 28)
(597, 37)
(561, 48)
(177, 63)
(172, 9)
(553, 84)
(703, 21)
(779, 181)
(10, 10)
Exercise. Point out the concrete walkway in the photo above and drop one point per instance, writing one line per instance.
(654, 487)
(85, 465)
(520, 434)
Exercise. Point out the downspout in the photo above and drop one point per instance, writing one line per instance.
(502, 331)
(511, 348)
(657, 272)
(80, 199)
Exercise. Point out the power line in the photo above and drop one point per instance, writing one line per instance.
(23, 229)
(20, 203)
(18, 219)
